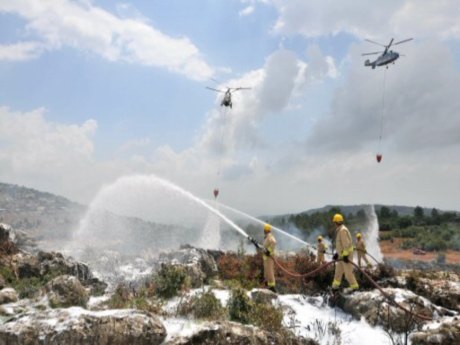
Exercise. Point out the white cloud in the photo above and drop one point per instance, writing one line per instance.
(273, 87)
(421, 103)
(84, 26)
(21, 51)
(43, 154)
(411, 18)
(134, 144)
(29, 142)
(248, 10)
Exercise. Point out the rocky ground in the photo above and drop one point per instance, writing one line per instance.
(196, 296)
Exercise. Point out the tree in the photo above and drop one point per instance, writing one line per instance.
(418, 212)
(361, 216)
(435, 218)
(404, 222)
(385, 212)
(335, 209)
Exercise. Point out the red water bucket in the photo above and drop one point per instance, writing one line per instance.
(379, 157)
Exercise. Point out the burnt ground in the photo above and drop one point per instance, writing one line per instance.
(392, 250)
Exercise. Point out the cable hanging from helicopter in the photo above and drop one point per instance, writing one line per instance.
(386, 57)
(226, 103)
(379, 152)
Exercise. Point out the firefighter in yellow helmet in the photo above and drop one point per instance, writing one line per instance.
(344, 255)
(321, 250)
(268, 255)
(361, 250)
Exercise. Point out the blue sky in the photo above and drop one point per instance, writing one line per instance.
(95, 90)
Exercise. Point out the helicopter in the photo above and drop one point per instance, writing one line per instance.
(387, 56)
(227, 100)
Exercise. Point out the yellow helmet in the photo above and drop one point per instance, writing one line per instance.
(267, 228)
(358, 235)
(338, 218)
(320, 238)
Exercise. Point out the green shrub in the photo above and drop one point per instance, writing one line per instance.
(28, 287)
(404, 222)
(169, 281)
(267, 317)
(239, 306)
(410, 232)
(412, 282)
(25, 287)
(8, 274)
(432, 244)
(409, 244)
(207, 306)
(204, 305)
(121, 297)
(125, 297)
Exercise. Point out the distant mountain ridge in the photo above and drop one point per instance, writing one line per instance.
(347, 209)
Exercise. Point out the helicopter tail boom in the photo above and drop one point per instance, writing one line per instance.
(367, 63)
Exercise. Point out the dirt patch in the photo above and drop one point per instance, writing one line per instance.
(392, 250)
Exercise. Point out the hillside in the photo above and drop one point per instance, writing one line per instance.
(50, 219)
(38, 212)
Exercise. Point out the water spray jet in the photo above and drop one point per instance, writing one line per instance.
(285, 233)
(135, 195)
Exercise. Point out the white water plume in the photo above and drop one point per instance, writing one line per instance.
(371, 235)
(144, 214)
(211, 233)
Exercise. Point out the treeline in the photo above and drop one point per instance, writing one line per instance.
(389, 219)
(433, 230)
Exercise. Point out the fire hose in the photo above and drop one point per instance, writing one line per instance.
(324, 266)
(305, 275)
(386, 295)
(366, 253)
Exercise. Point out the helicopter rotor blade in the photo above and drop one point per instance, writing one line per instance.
(403, 41)
(218, 82)
(210, 88)
(239, 88)
(371, 53)
(380, 44)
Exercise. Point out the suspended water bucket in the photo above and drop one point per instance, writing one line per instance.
(379, 157)
(216, 193)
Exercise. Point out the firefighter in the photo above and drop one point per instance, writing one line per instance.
(361, 250)
(322, 247)
(268, 256)
(343, 255)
